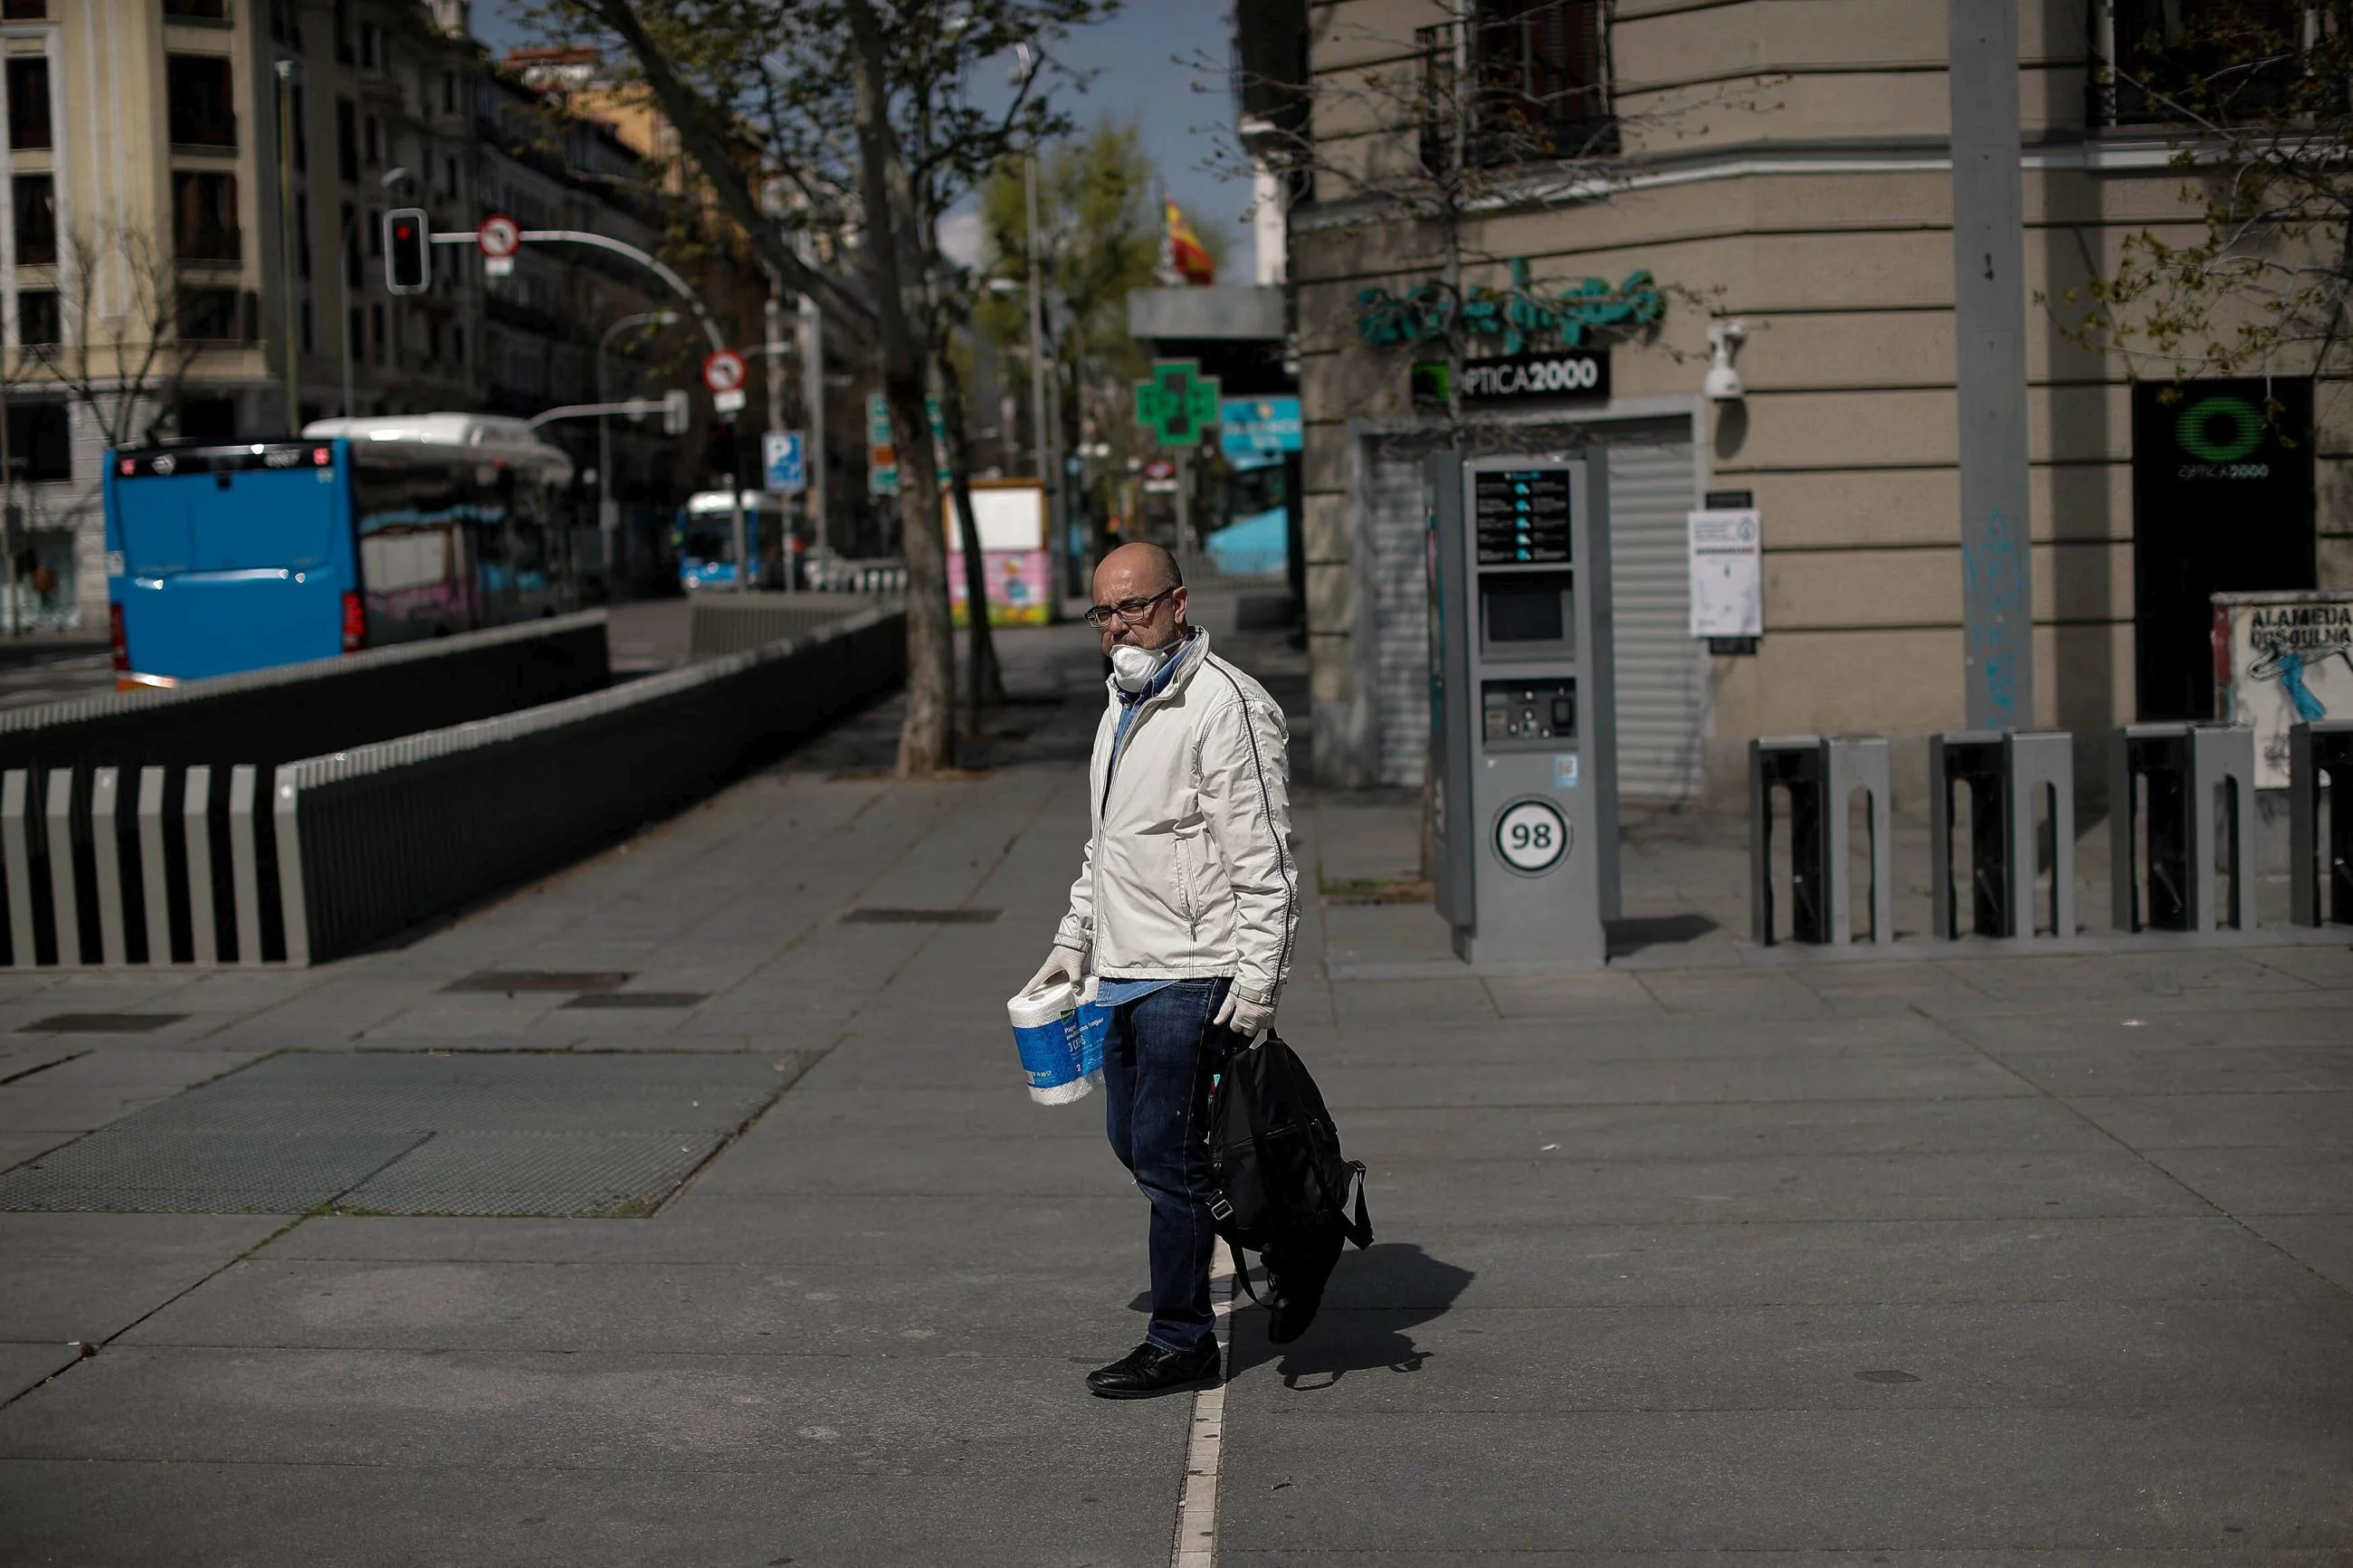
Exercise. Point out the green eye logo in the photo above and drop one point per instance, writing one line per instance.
(2220, 429)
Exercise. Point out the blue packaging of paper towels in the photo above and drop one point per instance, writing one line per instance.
(1046, 1029)
(1093, 1020)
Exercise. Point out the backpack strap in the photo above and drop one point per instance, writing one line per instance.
(1241, 1275)
(1360, 1229)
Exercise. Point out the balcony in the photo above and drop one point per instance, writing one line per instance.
(1515, 83)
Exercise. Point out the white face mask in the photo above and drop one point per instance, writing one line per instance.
(1134, 667)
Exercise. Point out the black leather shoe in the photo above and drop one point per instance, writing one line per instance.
(1147, 1370)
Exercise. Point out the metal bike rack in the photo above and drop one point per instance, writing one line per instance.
(2163, 778)
(1821, 775)
(2320, 893)
(2004, 772)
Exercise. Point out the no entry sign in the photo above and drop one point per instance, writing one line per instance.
(499, 236)
(723, 372)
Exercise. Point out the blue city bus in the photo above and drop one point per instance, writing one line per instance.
(357, 533)
(704, 536)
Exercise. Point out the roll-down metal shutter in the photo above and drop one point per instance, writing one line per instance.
(1661, 672)
(1400, 581)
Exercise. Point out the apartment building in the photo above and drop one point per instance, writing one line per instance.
(194, 246)
(1783, 167)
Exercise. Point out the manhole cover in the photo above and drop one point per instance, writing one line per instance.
(101, 1023)
(887, 916)
(638, 999)
(512, 981)
(410, 1133)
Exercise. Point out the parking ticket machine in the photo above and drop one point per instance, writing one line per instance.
(1521, 728)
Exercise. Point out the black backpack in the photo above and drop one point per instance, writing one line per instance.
(1282, 1182)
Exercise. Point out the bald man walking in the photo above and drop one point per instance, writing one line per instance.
(1184, 909)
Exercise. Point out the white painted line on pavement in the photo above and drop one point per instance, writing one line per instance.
(1196, 1509)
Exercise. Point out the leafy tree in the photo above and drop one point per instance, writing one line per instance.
(1098, 240)
(848, 128)
(2258, 275)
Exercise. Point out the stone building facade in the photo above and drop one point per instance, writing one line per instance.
(1784, 166)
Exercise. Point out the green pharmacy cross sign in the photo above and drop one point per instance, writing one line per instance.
(1179, 405)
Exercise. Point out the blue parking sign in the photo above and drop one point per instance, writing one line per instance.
(780, 455)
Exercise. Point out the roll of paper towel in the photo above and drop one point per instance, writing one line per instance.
(1046, 1029)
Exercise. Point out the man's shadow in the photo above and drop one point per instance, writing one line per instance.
(1373, 1297)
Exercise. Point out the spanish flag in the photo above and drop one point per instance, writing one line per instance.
(1186, 258)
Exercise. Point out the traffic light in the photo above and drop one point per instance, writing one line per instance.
(407, 251)
(678, 413)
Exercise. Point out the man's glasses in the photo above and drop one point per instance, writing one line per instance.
(1128, 610)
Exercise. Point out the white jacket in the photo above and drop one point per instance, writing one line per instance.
(1189, 871)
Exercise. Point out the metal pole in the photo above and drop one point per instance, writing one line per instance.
(287, 245)
(345, 244)
(1184, 509)
(609, 520)
(8, 513)
(1990, 354)
(736, 506)
(812, 346)
(1037, 330)
(606, 522)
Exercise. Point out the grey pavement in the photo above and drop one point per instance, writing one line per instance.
(1999, 1257)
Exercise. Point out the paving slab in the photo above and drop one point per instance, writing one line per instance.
(2317, 1119)
(2078, 1071)
(2271, 1180)
(18, 1147)
(1862, 1357)
(1733, 1079)
(1789, 1480)
(1564, 1189)
(72, 1515)
(1607, 1038)
(23, 1366)
(1766, 1262)
(678, 1411)
(1818, 1128)
(2321, 1242)
(1078, 1307)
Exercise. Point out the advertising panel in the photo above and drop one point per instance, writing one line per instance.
(1017, 566)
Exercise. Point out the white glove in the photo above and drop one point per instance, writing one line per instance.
(1064, 962)
(1244, 1017)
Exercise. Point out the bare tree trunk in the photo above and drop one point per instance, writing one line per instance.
(927, 739)
(985, 680)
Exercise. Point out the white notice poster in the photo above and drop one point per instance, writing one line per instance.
(1727, 583)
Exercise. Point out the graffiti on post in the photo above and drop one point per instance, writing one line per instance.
(2000, 634)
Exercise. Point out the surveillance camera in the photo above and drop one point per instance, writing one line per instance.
(1723, 382)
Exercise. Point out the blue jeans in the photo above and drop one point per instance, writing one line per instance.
(1160, 1053)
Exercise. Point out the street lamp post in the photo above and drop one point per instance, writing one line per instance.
(608, 518)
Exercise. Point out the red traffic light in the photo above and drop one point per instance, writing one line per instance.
(407, 251)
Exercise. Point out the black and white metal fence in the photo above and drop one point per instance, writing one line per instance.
(140, 853)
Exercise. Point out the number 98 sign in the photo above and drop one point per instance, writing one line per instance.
(1531, 837)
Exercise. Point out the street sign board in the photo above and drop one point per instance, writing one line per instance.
(724, 371)
(881, 454)
(1179, 405)
(780, 460)
(499, 236)
(1258, 426)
